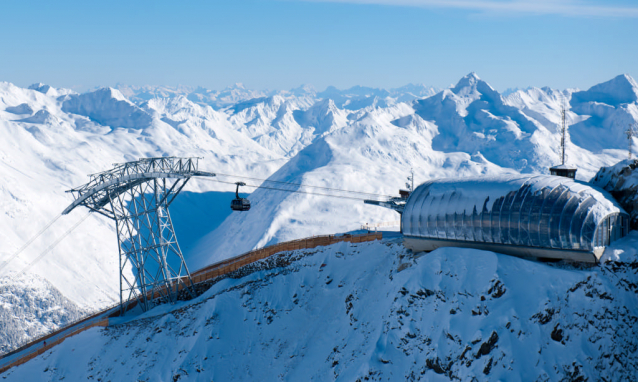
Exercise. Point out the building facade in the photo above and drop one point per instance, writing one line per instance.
(524, 215)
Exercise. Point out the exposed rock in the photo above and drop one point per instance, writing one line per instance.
(621, 180)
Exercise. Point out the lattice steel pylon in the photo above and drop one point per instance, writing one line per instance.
(137, 195)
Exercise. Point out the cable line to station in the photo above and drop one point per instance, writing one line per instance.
(262, 186)
(294, 191)
(304, 185)
(10, 259)
(54, 244)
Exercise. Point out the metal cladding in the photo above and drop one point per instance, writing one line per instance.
(540, 211)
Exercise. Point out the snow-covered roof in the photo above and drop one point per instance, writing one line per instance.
(563, 167)
(530, 210)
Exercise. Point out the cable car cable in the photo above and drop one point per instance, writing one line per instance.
(291, 191)
(10, 259)
(305, 185)
(55, 243)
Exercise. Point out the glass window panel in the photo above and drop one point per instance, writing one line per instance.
(618, 228)
(546, 210)
(440, 217)
(613, 231)
(468, 225)
(625, 225)
(587, 237)
(535, 216)
(624, 221)
(496, 216)
(458, 217)
(505, 217)
(515, 213)
(578, 220)
(486, 225)
(450, 229)
(430, 221)
(566, 220)
(458, 226)
(554, 220)
(476, 225)
(523, 227)
(450, 218)
(422, 213)
(413, 209)
(424, 218)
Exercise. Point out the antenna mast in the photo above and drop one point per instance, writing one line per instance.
(563, 131)
(410, 183)
(562, 169)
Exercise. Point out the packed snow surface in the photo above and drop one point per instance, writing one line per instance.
(375, 312)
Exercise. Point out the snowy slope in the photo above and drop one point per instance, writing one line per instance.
(519, 132)
(376, 312)
(40, 158)
(612, 109)
(464, 131)
(52, 138)
(373, 154)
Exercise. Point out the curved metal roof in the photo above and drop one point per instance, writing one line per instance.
(526, 210)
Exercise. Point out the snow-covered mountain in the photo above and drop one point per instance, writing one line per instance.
(57, 141)
(375, 312)
(360, 139)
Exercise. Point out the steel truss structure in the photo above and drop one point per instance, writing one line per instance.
(137, 196)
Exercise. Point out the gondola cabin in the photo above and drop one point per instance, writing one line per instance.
(239, 204)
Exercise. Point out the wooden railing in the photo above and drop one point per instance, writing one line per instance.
(37, 350)
(234, 263)
(200, 276)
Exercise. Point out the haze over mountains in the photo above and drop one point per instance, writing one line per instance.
(360, 139)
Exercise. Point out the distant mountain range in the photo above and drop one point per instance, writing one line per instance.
(359, 139)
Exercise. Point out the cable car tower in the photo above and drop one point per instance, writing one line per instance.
(137, 196)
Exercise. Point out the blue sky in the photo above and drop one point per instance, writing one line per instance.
(280, 44)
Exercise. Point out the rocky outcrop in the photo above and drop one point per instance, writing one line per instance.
(621, 180)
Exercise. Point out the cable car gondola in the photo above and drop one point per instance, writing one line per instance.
(239, 204)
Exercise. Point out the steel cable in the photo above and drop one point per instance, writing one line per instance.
(292, 191)
(10, 259)
(305, 185)
(54, 244)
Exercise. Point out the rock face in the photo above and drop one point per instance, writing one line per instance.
(621, 180)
